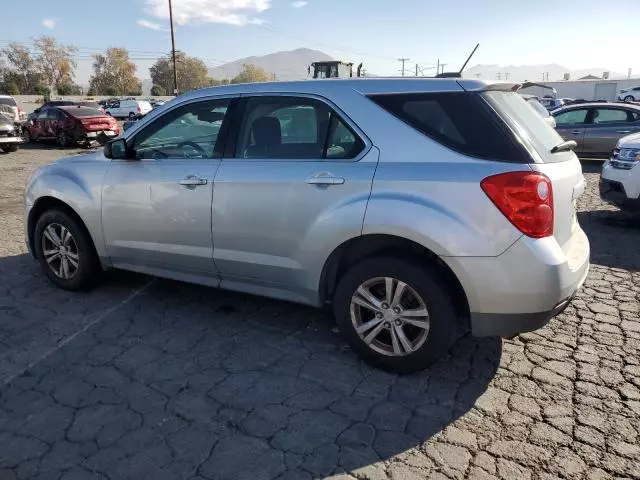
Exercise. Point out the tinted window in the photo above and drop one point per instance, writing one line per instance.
(294, 128)
(81, 112)
(571, 117)
(187, 132)
(7, 101)
(461, 121)
(609, 115)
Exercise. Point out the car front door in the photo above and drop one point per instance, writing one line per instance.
(605, 127)
(114, 110)
(42, 124)
(156, 204)
(570, 124)
(296, 180)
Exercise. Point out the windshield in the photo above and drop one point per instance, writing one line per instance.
(7, 101)
(526, 118)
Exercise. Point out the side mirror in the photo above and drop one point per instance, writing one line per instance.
(116, 149)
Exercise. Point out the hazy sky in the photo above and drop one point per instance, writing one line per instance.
(574, 33)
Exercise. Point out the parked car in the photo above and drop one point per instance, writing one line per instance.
(596, 126)
(128, 108)
(52, 103)
(71, 125)
(620, 179)
(157, 103)
(10, 107)
(392, 200)
(631, 94)
(552, 103)
(91, 104)
(10, 138)
(534, 102)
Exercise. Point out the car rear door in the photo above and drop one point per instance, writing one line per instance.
(156, 206)
(570, 124)
(605, 127)
(297, 182)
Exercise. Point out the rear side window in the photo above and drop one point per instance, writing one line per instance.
(462, 121)
(81, 112)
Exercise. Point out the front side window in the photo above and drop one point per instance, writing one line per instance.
(572, 117)
(191, 131)
(610, 115)
(294, 128)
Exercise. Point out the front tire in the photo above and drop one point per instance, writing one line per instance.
(629, 98)
(395, 314)
(10, 148)
(63, 139)
(65, 251)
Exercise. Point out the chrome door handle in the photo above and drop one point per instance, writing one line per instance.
(192, 181)
(623, 131)
(324, 179)
(576, 132)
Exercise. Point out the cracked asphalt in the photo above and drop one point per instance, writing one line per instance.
(147, 378)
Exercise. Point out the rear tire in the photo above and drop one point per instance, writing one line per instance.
(425, 292)
(10, 148)
(629, 98)
(26, 136)
(82, 265)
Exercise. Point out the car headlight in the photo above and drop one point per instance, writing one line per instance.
(629, 154)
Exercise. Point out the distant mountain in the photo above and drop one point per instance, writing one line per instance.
(290, 65)
(534, 73)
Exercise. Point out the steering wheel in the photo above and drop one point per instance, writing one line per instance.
(191, 150)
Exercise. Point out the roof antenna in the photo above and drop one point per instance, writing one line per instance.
(458, 74)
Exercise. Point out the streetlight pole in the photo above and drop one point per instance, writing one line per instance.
(173, 52)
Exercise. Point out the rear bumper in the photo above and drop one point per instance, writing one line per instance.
(10, 140)
(526, 286)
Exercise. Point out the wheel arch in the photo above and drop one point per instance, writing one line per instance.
(44, 204)
(359, 248)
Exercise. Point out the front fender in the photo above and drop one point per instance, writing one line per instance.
(79, 188)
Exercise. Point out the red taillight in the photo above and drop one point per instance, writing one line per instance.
(525, 198)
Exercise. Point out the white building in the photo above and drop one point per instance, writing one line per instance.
(598, 89)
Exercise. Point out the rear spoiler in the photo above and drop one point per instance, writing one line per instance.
(501, 86)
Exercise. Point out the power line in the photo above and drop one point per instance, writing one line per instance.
(403, 60)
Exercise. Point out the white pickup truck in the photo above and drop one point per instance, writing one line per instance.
(620, 179)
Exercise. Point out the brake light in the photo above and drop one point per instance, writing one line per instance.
(525, 198)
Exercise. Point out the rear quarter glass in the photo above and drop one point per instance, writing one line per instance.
(527, 124)
(462, 121)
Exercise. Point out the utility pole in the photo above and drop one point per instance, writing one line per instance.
(442, 65)
(438, 67)
(173, 52)
(506, 75)
(499, 76)
(478, 75)
(416, 69)
(403, 60)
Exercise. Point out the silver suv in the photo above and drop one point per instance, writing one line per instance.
(414, 208)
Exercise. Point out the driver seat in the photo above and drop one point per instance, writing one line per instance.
(267, 138)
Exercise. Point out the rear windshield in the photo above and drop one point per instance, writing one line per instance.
(83, 111)
(527, 121)
(7, 101)
(460, 120)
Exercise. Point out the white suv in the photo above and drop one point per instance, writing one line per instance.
(631, 94)
(620, 180)
(129, 109)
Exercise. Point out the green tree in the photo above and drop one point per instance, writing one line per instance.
(54, 61)
(158, 91)
(192, 73)
(22, 70)
(69, 88)
(250, 74)
(114, 74)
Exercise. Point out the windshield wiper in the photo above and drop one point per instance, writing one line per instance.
(564, 146)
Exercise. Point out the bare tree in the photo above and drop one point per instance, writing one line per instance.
(22, 68)
(54, 61)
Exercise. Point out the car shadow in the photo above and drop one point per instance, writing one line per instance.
(271, 382)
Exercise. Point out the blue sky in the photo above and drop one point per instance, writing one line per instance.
(574, 33)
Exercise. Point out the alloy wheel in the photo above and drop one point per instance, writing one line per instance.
(389, 316)
(60, 250)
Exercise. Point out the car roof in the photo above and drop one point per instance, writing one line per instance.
(362, 85)
(575, 106)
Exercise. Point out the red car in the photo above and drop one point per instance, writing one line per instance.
(71, 125)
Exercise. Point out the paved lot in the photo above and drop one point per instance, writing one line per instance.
(145, 378)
